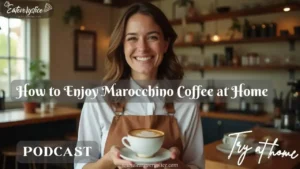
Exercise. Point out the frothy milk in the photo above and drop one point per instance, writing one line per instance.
(147, 134)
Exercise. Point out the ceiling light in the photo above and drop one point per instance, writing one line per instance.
(286, 9)
(215, 38)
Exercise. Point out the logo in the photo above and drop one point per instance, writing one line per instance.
(26, 9)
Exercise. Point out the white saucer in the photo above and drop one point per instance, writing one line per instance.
(161, 155)
(285, 130)
(227, 150)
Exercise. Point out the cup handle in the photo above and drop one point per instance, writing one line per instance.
(124, 143)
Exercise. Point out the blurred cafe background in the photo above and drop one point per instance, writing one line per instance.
(217, 40)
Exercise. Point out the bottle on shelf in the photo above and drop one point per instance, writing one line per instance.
(246, 29)
(288, 116)
(228, 55)
(272, 29)
(211, 99)
(257, 106)
(205, 107)
(236, 60)
(243, 104)
(277, 102)
(264, 30)
(204, 104)
(220, 101)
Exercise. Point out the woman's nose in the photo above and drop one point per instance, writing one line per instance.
(142, 45)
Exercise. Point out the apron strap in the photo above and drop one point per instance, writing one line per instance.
(170, 108)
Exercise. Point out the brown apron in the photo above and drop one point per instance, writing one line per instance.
(122, 124)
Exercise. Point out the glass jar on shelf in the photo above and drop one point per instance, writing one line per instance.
(236, 60)
(254, 59)
(244, 60)
(189, 37)
(251, 59)
(288, 59)
(258, 59)
(266, 59)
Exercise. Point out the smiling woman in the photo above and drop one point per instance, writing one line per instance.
(141, 54)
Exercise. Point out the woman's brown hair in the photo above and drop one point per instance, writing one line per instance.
(117, 67)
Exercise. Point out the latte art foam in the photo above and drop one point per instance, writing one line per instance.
(147, 134)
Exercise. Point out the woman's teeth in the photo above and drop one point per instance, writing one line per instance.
(143, 58)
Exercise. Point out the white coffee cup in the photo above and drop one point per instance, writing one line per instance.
(144, 142)
(232, 140)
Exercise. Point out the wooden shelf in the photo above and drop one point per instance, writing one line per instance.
(233, 14)
(239, 41)
(252, 68)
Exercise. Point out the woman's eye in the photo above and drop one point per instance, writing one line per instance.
(153, 38)
(131, 39)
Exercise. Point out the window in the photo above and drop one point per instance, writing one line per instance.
(13, 59)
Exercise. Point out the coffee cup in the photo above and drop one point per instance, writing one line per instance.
(144, 142)
(231, 140)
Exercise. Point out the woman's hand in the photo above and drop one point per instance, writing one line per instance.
(175, 153)
(114, 156)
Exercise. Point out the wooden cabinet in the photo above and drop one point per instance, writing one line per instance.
(211, 129)
(214, 129)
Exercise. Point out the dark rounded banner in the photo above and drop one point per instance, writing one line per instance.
(26, 9)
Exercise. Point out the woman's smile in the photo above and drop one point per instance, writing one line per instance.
(143, 59)
(144, 63)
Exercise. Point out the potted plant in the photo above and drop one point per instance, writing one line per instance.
(235, 28)
(73, 15)
(37, 74)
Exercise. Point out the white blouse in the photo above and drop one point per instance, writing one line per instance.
(96, 117)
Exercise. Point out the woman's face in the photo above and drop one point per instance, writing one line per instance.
(144, 46)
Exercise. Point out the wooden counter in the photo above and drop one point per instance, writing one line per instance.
(289, 142)
(265, 118)
(11, 118)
